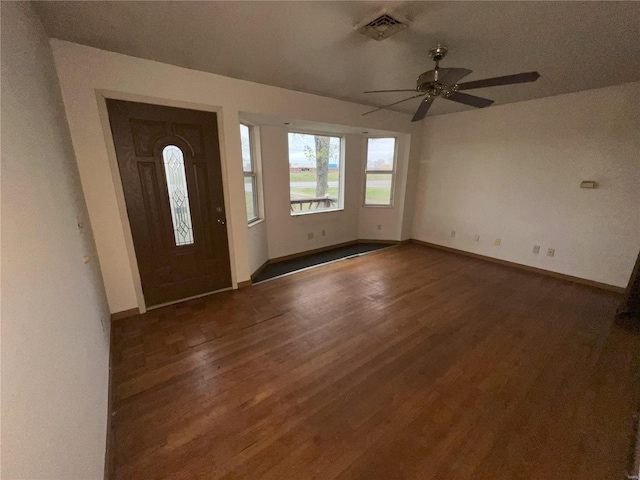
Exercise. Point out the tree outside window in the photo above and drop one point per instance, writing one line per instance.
(314, 172)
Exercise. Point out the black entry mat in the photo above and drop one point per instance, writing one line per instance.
(288, 266)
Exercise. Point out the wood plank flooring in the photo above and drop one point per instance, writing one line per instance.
(407, 363)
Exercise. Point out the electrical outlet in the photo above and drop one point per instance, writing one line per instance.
(310, 235)
(453, 233)
(536, 249)
(551, 252)
(323, 234)
(379, 227)
(476, 238)
(497, 242)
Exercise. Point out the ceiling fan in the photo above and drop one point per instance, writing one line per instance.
(443, 82)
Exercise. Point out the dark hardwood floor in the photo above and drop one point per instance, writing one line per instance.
(407, 363)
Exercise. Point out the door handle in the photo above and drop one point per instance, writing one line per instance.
(222, 221)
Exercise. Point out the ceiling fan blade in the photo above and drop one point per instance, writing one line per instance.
(385, 91)
(392, 104)
(497, 81)
(467, 99)
(423, 109)
(451, 76)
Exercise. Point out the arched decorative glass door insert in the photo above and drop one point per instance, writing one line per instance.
(178, 195)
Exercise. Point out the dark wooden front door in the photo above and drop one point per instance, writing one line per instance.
(169, 161)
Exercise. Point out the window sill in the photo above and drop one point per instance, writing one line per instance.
(255, 222)
(314, 212)
(377, 206)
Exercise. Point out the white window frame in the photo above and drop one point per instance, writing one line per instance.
(253, 173)
(340, 205)
(391, 172)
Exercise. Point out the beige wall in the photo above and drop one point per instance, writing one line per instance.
(55, 319)
(288, 234)
(513, 172)
(282, 234)
(390, 219)
(86, 74)
(258, 245)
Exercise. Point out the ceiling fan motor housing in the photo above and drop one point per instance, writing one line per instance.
(428, 83)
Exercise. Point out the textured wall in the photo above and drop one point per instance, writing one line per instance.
(513, 172)
(55, 320)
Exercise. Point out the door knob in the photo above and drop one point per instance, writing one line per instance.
(222, 221)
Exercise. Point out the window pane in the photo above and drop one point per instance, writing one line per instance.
(314, 172)
(178, 194)
(378, 190)
(250, 197)
(246, 148)
(381, 153)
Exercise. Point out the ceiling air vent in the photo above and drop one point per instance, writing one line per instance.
(382, 26)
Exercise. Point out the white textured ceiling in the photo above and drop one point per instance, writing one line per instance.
(312, 46)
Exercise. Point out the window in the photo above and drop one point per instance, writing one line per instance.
(178, 194)
(250, 177)
(315, 165)
(381, 156)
